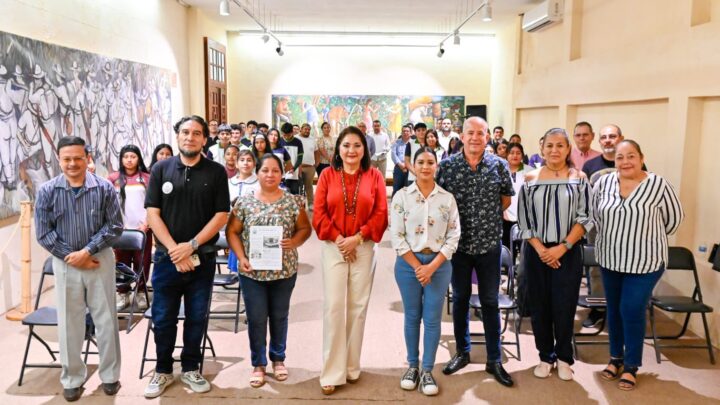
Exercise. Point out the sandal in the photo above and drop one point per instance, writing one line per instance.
(626, 384)
(609, 373)
(280, 372)
(258, 377)
(328, 389)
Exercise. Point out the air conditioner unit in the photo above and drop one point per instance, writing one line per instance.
(544, 15)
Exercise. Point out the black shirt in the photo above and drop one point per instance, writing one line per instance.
(188, 196)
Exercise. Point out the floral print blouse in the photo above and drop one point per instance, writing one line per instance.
(417, 222)
(283, 212)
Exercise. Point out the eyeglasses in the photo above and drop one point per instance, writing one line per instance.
(609, 136)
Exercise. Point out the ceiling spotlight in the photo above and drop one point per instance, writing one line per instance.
(265, 37)
(224, 8)
(487, 12)
(441, 51)
(456, 38)
(279, 50)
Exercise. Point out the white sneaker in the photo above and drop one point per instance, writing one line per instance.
(140, 301)
(543, 370)
(157, 385)
(122, 300)
(409, 380)
(564, 371)
(428, 386)
(195, 381)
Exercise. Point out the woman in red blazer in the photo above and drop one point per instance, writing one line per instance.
(350, 216)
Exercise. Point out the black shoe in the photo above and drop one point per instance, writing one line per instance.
(594, 317)
(502, 376)
(111, 388)
(72, 394)
(458, 361)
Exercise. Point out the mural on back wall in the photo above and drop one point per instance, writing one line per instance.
(341, 111)
(49, 91)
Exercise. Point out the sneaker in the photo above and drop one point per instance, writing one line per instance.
(594, 317)
(122, 300)
(428, 386)
(543, 370)
(141, 301)
(195, 381)
(157, 385)
(410, 379)
(564, 371)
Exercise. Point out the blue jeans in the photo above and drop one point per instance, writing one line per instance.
(422, 303)
(170, 287)
(399, 179)
(267, 300)
(487, 269)
(553, 296)
(627, 298)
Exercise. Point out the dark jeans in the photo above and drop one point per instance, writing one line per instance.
(320, 167)
(399, 179)
(487, 269)
(553, 296)
(267, 300)
(171, 286)
(627, 298)
(133, 259)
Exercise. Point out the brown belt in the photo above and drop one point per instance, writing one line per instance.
(427, 251)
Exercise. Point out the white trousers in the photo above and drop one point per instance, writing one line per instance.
(77, 290)
(346, 289)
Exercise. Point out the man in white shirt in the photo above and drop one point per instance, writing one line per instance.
(309, 162)
(382, 146)
(446, 134)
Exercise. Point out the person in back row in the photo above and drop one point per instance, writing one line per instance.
(294, 148)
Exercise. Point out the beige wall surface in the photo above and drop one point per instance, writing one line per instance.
(147, 31)
(649, 66)
(199, 26)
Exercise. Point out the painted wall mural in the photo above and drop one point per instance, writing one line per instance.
(49, 91)
(341, 111)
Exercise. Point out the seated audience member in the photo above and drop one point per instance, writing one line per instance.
(553, 216)
(267, 291)
(425, 231)
(131, 183)
(629, 275)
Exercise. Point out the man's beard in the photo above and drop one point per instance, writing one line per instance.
(188, 153)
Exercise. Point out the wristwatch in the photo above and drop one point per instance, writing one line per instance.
(194, 244)
(567, 244)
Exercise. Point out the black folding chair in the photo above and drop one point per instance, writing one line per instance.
(132, 240)
(45, 316)
(227, 281)
(592, 303)
(680, 258)
(506, 302)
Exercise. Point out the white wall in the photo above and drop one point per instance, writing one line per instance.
(147, 31)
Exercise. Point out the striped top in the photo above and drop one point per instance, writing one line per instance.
(548, 209)
(632, 232)
(66, 222)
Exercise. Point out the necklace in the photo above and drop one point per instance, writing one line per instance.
(557, 172)
(350, 210)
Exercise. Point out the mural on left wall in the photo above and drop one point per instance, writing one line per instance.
(49, 91)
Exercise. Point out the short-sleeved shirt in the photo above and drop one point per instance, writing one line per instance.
(477, 193)
(283, 212)
(294, 148)
(188, 196)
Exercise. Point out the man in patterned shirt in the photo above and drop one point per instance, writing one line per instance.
(482, 188)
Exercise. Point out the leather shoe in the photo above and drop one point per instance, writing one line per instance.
(458, 361)
(111, 388)
(72, 394)
(502, 376)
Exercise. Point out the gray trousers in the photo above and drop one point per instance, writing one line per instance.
(77, 290)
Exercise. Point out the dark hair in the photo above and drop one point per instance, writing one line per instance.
(433, 133)
(71, 141)
(500, 128)
(196, 118)
(267, 150)
(265, 157)
(286, 128)
(231, 146)
(454, 148)
(420, 125)
(424, 149)
(158, 148)
(213, 119)
(305, 125)
(583, 124)
(351, 130)
(559, 131)
(235, 127)
(252, 122)
(88, 150)
(634, 144)
(513, 136)
(323, 124)
(501, 142)
(244, 152)
(378, 121)
(122, 178)
(512, 145)
(263, 125)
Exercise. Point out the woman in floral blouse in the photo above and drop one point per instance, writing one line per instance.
(425, 231)
(267, 292)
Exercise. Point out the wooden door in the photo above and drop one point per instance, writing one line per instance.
(215, 81)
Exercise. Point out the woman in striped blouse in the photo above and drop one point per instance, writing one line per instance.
(553, 215)
(634, 211)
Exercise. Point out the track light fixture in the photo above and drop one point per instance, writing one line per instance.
(265, 37)
(487, 12)
(441, 51)
(456, 38)
(279, 50)
(224, 8)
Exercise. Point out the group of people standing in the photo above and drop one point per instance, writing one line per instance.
(446, 222)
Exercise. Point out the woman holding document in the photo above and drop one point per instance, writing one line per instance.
(265, 230)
